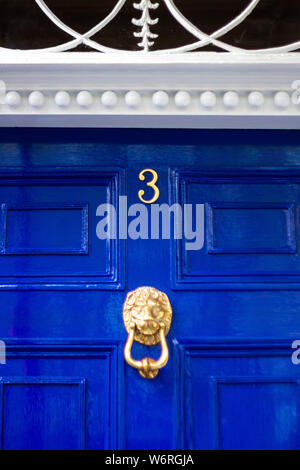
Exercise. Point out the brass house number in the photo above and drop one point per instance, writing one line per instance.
(151, 184)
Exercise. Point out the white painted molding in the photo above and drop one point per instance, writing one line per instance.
(247, 91)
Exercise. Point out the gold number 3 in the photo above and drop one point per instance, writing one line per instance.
(151, 184)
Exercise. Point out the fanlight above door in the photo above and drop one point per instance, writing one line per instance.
(151, 26)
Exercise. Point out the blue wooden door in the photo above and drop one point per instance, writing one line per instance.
(230, 382)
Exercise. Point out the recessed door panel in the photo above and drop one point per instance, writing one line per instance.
(251, 229)
(48, 230)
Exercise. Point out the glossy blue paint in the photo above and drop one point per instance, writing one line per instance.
(230, 382)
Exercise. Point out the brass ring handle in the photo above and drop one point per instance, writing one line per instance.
(147, 315)
(148, 367)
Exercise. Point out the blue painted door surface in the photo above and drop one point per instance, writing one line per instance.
(230, 382)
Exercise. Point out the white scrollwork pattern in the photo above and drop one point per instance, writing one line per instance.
(144, 23)
(146, 35)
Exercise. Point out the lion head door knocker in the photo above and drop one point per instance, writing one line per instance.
(147, 315)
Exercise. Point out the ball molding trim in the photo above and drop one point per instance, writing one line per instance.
(175, 91)
(151, 105)
(150, 101)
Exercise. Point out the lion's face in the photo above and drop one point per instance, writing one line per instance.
(148, 313)
(149, 309)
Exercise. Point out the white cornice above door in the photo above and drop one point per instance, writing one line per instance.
(197, 90)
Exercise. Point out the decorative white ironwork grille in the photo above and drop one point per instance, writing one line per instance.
(143, 28)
